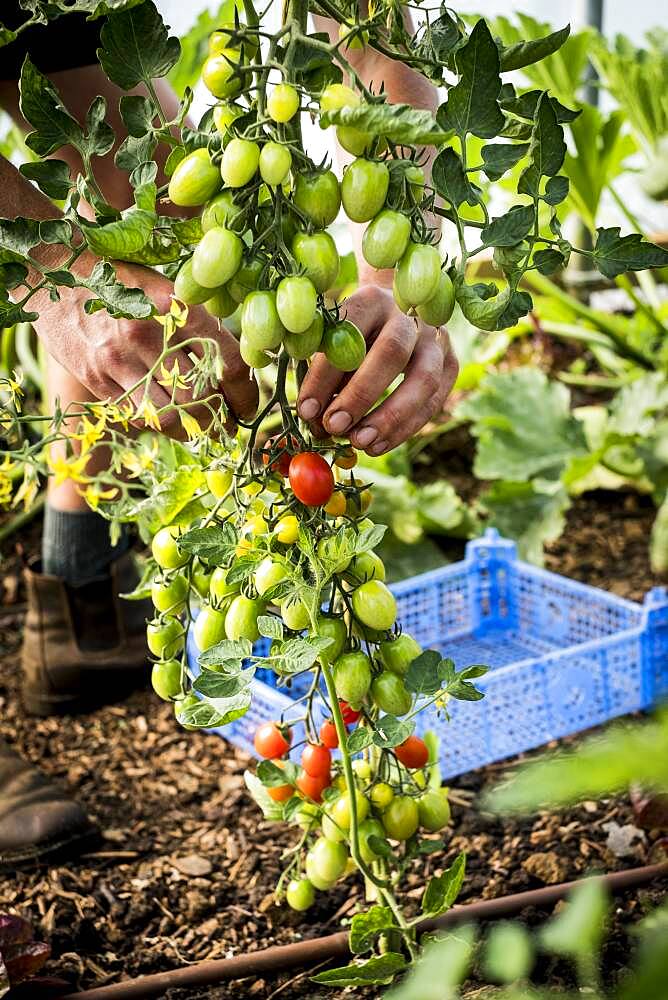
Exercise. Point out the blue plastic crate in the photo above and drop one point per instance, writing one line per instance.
(564, 656)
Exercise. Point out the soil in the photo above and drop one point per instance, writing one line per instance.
(185, 867)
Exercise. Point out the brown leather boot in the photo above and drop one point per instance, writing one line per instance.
(83, 646)
(37, 819)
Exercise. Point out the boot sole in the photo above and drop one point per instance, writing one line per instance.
(50, 851)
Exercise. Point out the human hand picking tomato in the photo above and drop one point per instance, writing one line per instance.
(396, 345)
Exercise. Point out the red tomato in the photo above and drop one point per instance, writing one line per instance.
(311, 479)
(272, 740)
(329, 735)
(349, 714)
(282, 463)
(312, 787)
(280, 793)
(316, 760)
(413, 752)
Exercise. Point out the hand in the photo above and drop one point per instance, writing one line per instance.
(396, 344)
(108, 356)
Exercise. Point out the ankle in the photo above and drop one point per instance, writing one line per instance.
(77, 546)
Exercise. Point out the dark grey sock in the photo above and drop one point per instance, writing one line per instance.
(76, 545)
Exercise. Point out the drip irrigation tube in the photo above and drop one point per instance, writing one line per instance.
(335, 946)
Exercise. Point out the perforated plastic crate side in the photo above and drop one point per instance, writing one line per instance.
(490, 561)
(655, 646)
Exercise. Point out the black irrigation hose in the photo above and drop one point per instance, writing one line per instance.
(335, 946)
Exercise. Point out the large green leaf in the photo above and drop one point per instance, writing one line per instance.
(487, 308)
(472, 104)
(399, 123)
(614, 254)
(524, 426)
(510, 229)
(375, 971)
(124, 237)
(110, 294)
(546, 150)
(42, 108)
(136, 46)
(442, 890)
(450, 180)
(51, 176)
(531, 513)
(500, 157)
(532, 50)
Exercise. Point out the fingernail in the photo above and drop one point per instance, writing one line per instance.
(364, 437)
(338, 422)
(378, 448)
(309, 409)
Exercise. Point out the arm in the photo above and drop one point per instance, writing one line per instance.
(398, 344)
(109, 356)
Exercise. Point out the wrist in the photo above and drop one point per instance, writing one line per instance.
(370, 276)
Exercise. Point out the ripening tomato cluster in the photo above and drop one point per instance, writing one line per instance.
(321, 806)
(264, 260)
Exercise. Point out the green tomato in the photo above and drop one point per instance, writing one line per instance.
(166, 679)
(296, 303)
(219, 588)
(221, 304)
(439, 308)
(398, 653)
(381, 795)
(217, 257)
(364, 189)
(329, 859)
(362, 769)
(165, 549)
(251, 355)
(282, 103)
(260, 323)
(352, 677)
(300, 894)
(241, 618)
(223, 38)
(369, 828)
(306, 816)
(240, 162)
(386, 238)
(209, 629)
(302, 345)
(341, 811)
(434, 809)
(416, 179)
(220, 211)
(367, 566)
(312, 873)
(218, 481)
(400, 303)
(344, 346)
(337, 96)
(334, 629)
(374, 605)
(165, 637)
(318, 196)
(275, 163)
(294, 614)
(246, 279)
(317, 254)
(401, 818)
(181, 705)
(195, 179)
(201, 578)
(268, 574)
(170, 595)
(224, 115)
(218, 73)
(418, 274)
(353, 140)
(186, 288)
(390, 694)
(330, 828)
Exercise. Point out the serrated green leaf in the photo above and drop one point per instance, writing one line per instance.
(546, 150)
(297, 655)
(227, 651)
(119, 301)
(100, 136)
(442, 890)
(214, 544)
(369, 538)
(501, 157)
(271, 810)
(614, 254)
(422, 677)
(124, 54)
(525, 105)
(472, 105)
(134, 151)
(273, 776)
(487, 308)
(366, 927)
(360, 738)
(51, 176)
(399, 123)
(548, 261)
(215, 685)
(43, 109)
(390, 731)
(138, 113)
(19, 236)
(556, 190)
(270, 626)
(125, 236)
(450, 180)
(376, 971)
(510, 229)
(532, 50)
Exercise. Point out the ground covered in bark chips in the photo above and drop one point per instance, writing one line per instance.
(185, 867)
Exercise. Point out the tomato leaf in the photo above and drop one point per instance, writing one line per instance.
(138, 114)
(134, 151)
(614, 254)
(501, 156)
(487, 308)
(359, 739)
(524, 105)
(450, 180)
(18, 237)
(423, 676)
(42, 108)
(215, 685)
(376, 971)
(532, 50)
(270, 626)
(297, 655)
(442, 890)
(124, 236)
(380, 846)
(51, 176)
(227, 651)
(472, 104)
(119, 301)
(206, 715)
(390, 731)
(366, 927)
(273, 776)
(214, 544)
(369, 539)
(399, 123)
(126, 55)
(547, 149)
(509, 229)
(271, 810)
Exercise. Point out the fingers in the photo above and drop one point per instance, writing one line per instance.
(387, 358)
(430, 375)
(321, 382)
